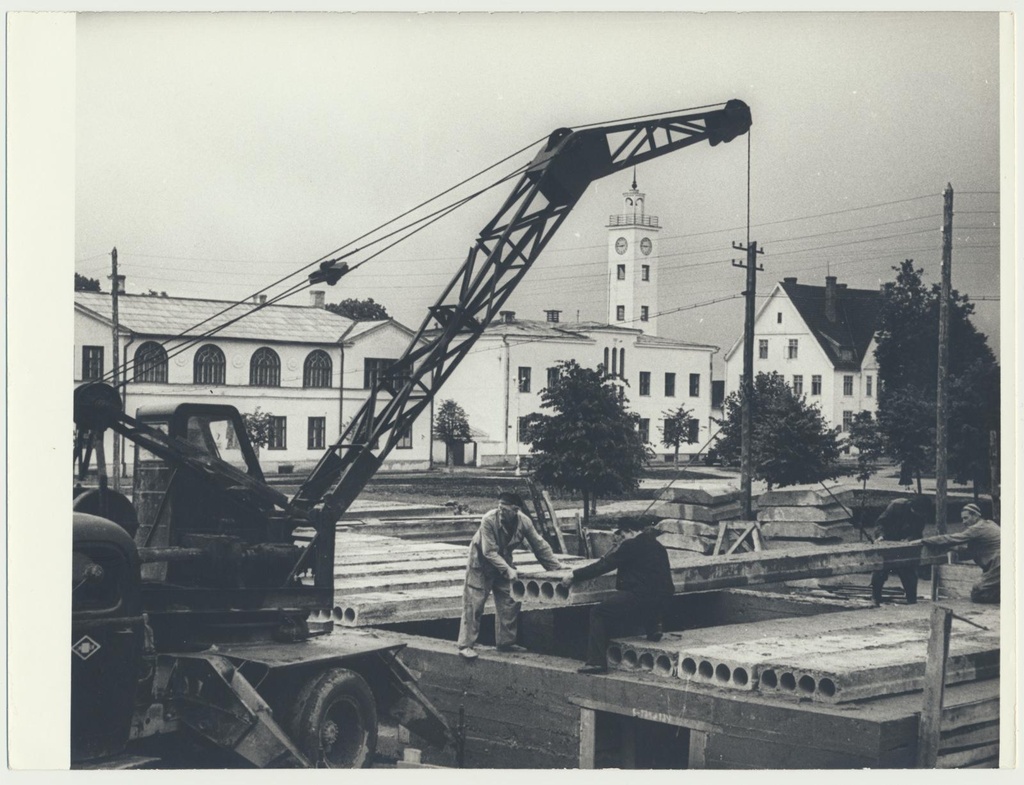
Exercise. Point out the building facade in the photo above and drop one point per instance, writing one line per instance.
(501, 380)
(306, 366)
(821, 339)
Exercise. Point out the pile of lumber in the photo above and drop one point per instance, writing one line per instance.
(813, 514)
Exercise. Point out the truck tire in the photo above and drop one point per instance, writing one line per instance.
(334, 720)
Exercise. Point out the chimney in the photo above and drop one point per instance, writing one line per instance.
(789, 280)
(831, 296)
(261, 299)
(552, 315)
(316, 298)
(507, 317)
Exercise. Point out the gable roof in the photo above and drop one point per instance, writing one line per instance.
(173, 316)
(846, 339)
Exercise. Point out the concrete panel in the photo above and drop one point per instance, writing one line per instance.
(705, 496)
(696, 512)
(826, 513)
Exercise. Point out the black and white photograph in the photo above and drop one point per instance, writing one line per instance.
(517, 390)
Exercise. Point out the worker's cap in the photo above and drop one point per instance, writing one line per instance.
(510, 498)
(973, 508)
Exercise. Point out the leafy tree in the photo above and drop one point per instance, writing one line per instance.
(907, 355)
(867, 439)
(791, 442)
(84, 284)
(451, 426)
(258, 427)
(591, 442)
(359, 310)
(677, 428)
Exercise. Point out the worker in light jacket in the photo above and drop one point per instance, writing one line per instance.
(643, 584)
(490, 570)
(981, 538)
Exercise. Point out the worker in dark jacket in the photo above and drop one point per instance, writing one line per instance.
(903, 520)
(643, 586)
(982, 538)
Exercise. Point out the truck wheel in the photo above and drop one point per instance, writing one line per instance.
(334, 720)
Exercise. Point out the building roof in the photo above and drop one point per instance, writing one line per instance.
(534, 330)
(845, 340)
(671, 343)
(173, 316)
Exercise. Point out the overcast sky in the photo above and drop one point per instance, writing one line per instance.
(220, 153)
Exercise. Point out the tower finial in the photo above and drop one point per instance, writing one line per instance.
(634, 177)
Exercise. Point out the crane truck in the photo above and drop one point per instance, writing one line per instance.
(198, 613)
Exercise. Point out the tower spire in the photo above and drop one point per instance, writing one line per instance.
(634, 177)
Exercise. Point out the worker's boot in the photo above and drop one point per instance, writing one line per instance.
(468, 653)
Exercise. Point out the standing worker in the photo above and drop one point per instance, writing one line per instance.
(903, 520)
(643, 586)
(982, 540)
(491, 570)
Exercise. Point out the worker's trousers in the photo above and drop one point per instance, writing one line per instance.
(908, 577)
(987, 589)
(620, 614)
(506, 615)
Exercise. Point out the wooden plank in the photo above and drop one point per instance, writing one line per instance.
(972, 713)
(971, 736)
(969, 757)
(934, 684)
(698, 749)
(720, 540)
(588, 738)
(553, 517)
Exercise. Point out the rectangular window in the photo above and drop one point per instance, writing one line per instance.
(373, 368)
(620, 272)
(693, 430)
(762, 349)
(524, 379)
(847, 420)
(620, 313)
(670, 385)
(278, 434)
(848, 385)
(521, 430)
(315, 433)
(644, 313)
(867, 386)
(645, 272)
(793, 349)
(552, 377)
(816, 384)
(645, 382)
(798, 384)
(694, 385)
(92, 362)
(645, 430)
(778, 318)
(405, 440)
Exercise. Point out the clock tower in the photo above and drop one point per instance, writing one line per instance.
(633, 264)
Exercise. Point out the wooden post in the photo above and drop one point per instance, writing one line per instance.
(588, 738)
(930, 726)
(747, 386)
(115, 365)
(941, 409)
(698, 749)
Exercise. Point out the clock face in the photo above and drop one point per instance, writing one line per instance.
(621, 245)
(645, 245)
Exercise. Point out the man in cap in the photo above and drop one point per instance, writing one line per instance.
(643, 584)
(491, 570)
(981, 538)
(902, 520)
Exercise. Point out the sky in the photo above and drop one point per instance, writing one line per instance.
(222, 152)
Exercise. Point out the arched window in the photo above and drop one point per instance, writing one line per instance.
(208, 366)
(151, 363)
(317, 370)
(265, 368)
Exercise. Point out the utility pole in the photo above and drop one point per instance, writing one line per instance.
(941, 409)
(115, 286)
(747, 387)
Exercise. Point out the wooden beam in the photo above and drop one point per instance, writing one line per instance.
(930, 728)
(588, 738)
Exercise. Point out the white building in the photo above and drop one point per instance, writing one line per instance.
(821, 339)
(308, 367)
(501, 379)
